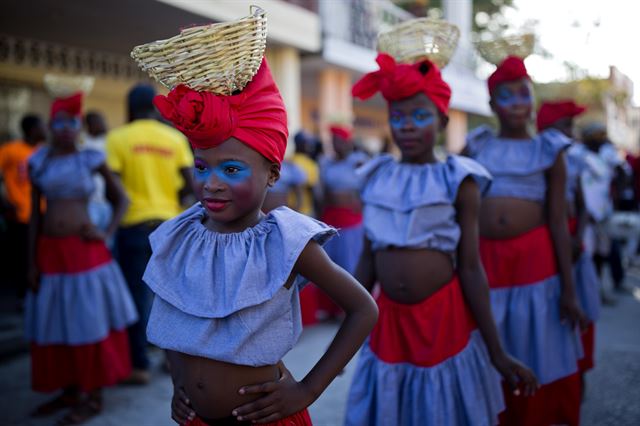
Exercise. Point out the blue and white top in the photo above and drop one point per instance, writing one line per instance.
(340, 175)
(576, 160)
(65, 176)
(413, 205)
(291, 175)
(222, 296)
(518, 166)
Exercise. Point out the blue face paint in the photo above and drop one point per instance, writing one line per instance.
(59, 124)
(506, 99)
(420, 117)
(229, 172)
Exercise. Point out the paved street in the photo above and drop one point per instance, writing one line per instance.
(612, 398)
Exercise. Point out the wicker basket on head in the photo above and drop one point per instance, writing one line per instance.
(62, 86)
(217, 58)
(496, 50)
(421, 38)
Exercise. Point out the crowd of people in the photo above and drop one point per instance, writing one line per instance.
(194, 229)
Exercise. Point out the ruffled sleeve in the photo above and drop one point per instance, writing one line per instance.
(212, 275)
(92, 158)
(370, 167)
(477, 139)
(36, 162)
(459, 168)
(553, 142)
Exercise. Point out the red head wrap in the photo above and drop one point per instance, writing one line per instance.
(397, 82)
(550, 112)
(72, 105)
(512, 68)
(341, 132)
(256, 116)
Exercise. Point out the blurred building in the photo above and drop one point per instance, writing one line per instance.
(95, 37)
(317, 49)
(608, 100)
(349, 31)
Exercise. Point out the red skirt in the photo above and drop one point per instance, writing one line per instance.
(557, 403)
(85, 366)
(301, 418)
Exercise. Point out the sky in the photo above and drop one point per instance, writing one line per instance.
(592, 34)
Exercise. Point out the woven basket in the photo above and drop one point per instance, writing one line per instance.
(218, 58)
(495, 51)
(62, 86)
(419, 39)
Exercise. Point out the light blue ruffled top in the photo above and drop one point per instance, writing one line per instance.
(65, 176)
(518, 166)
(222, 296)
(290, 175)
(576, 159)
(340, 175)
(413, 205)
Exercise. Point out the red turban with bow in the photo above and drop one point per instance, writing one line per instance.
(550, 112)
(256, 116)
(397, 82)
(72, 105)
(512, 68)
(341, 132)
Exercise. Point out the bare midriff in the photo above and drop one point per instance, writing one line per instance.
(411, 275)
(65, 217)
(505, 217)
(212, 386)
(344, 199)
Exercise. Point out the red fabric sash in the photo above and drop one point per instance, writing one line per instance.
(341, 217)
(426, 333)
(70, 255)
(523, 260)
(301, 418)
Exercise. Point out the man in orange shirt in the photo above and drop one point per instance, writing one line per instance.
(15, 198)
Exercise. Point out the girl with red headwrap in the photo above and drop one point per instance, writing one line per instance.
(524, 247)
(430, 359)
(341, 207)
(79, 307)
(559, 115)
(227, 277)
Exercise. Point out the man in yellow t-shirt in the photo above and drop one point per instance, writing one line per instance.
(15, 201)
(154, 162)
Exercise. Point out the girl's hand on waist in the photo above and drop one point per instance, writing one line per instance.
(181, 411)
(280, 399)
(520, 379)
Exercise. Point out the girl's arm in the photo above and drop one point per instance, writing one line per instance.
(116, 196)
(366, 270)
(476, 290)
(557, 220)
(34, 229)
(286, 396)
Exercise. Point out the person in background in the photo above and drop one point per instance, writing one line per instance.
(560, 115)
(95, 138)
(288, 189)
(599, 199)
(341, 206)
(15, 199)
(79, 307)
(154, 162)
(305, 147)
